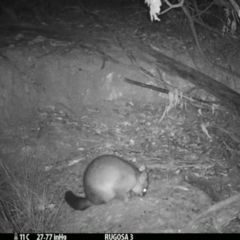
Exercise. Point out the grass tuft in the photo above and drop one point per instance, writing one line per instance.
(24, 202)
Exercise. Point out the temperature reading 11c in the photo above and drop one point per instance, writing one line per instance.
(23, 236)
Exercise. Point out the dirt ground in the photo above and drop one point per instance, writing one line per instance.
(64, 101)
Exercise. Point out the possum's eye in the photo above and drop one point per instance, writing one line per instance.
(144, 191)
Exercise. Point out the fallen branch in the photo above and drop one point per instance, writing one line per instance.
(220, 214)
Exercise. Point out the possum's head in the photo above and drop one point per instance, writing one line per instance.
(142, 182)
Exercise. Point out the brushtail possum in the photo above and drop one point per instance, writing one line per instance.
(108, 177)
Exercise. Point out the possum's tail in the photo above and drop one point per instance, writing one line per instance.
(77, 203)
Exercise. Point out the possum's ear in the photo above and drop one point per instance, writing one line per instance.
(142, 168)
